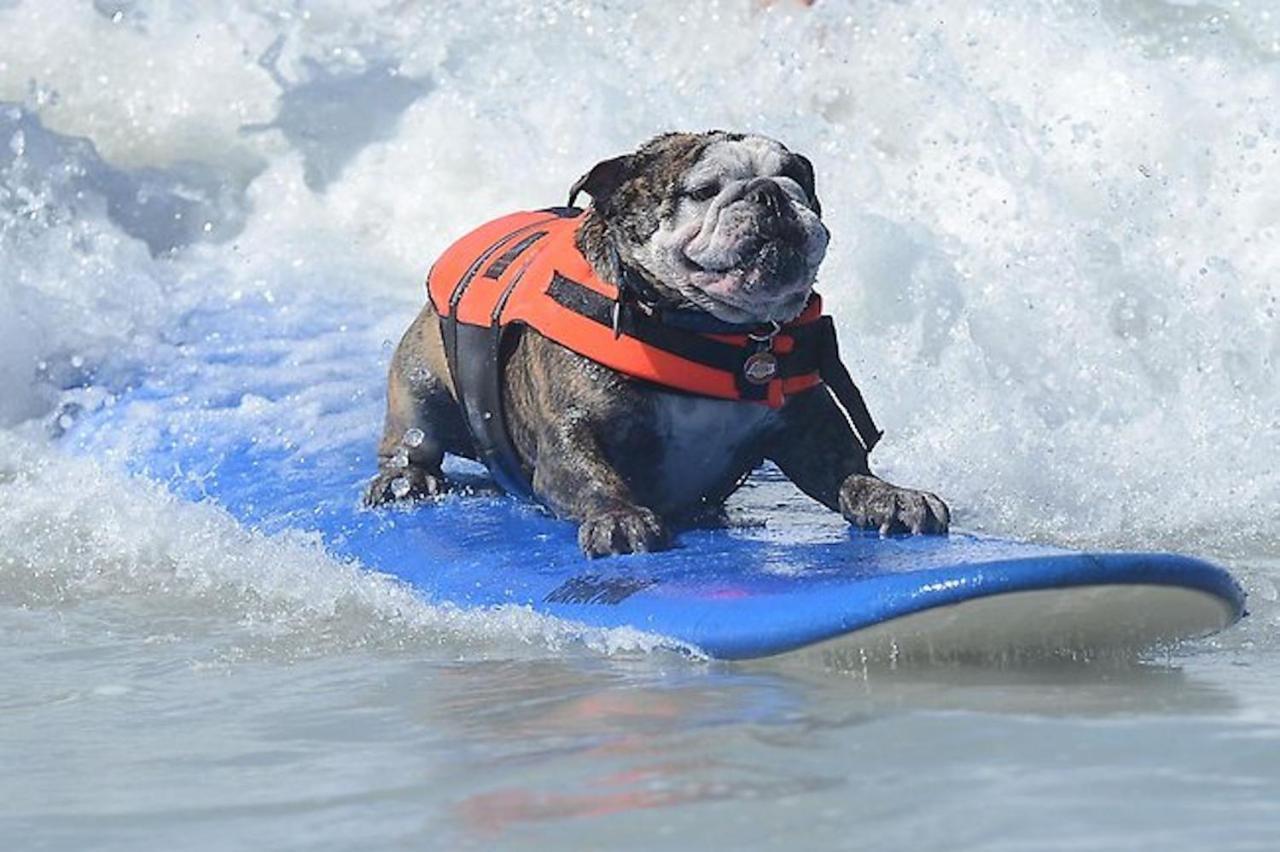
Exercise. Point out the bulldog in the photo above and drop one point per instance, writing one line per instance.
(699, 234)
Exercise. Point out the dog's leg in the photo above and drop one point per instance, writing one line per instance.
(568, 418)
(817, 450)
(574, 478)
(422, 421)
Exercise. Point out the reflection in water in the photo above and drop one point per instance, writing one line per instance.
(567, 739)
(450, 745)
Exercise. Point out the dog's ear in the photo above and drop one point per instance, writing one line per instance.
(799, 169)
(604, 177)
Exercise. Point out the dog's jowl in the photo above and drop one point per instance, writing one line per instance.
(628, 364)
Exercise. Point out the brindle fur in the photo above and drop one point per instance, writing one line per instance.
(592, 437)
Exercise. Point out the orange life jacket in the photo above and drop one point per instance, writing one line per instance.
(525, 270)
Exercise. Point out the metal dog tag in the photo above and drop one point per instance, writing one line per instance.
(761, 368)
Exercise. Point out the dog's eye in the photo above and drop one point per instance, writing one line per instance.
(704, 191)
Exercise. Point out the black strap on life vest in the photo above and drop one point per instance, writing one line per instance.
(475, 356)
(836, 377)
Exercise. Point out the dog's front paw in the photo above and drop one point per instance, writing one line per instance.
(621, 529)
(872, 503)
(394, 484)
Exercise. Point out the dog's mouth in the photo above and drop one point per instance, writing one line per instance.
(770, 279)
(767, 257)
(763, 289)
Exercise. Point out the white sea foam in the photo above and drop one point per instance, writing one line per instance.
(75, 533)
(1054, 256)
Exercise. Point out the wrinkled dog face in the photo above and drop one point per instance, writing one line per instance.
(725, 222)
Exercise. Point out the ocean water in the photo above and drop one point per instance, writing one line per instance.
(1056, 268)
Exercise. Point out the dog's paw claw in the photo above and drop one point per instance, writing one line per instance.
(874, 504)
(402, 484)
(630, 529)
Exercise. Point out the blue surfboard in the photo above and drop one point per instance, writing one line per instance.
(272, 411)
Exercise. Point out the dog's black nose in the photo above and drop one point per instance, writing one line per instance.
(768, 195)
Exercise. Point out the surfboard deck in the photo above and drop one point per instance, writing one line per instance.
(272, 411)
